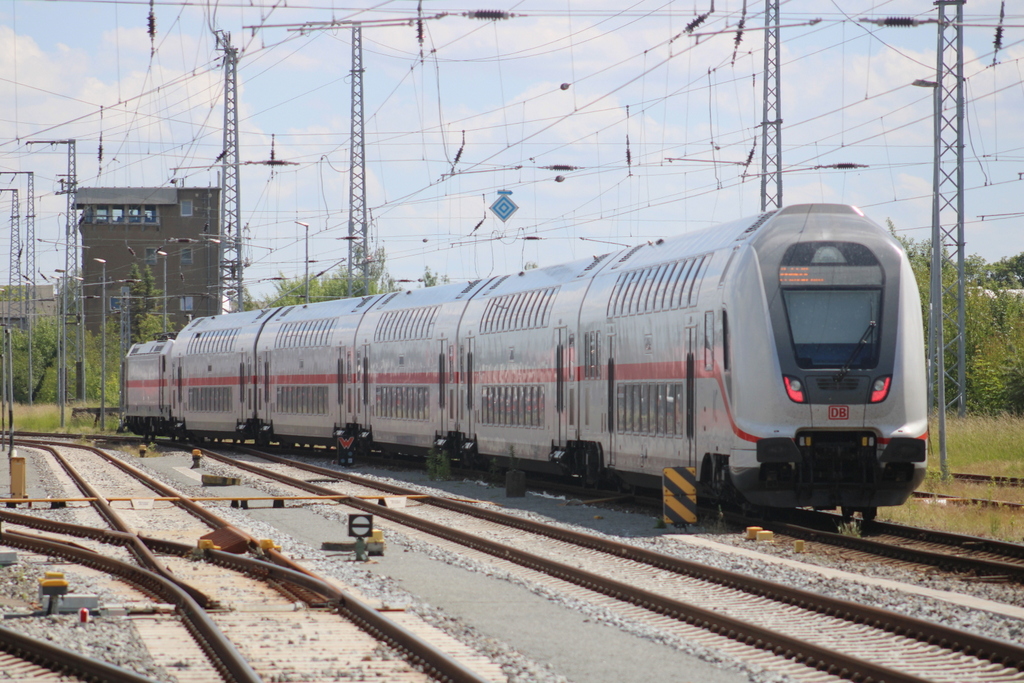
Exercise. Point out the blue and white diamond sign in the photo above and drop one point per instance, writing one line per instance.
(504, 207)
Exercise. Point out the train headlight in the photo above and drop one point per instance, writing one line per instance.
(880, 389)
(794, 389)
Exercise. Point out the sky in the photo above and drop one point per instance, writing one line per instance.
(648, 127)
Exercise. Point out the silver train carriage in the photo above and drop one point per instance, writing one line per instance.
(780, 356)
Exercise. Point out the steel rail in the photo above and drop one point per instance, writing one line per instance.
(998, 651)
(803, 519)
(138, 549)
(837, 663)
(67, 662)
(438, 664)
(960, 500)
(988, 479)
(221, 651)
(443, 666)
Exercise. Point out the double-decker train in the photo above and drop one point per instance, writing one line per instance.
(780, 356)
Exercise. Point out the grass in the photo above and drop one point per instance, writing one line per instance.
(43, 417)
(976, 445)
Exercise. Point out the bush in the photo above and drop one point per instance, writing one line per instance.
(439, 465)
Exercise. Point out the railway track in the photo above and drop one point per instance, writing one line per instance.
(25, 658)
(974, 557)
(246, 636)
(861, 643)
(970, 556)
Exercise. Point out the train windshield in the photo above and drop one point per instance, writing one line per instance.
(833, 294)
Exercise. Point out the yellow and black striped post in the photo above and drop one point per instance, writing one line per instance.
(679, 495)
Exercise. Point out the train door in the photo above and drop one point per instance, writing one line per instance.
(163, 387)
(348, 403)
(691, 395)
(612, 413)
(263, 398)
(443, 369)
(469, 425)
(364, 387)
(174, 387)
(561, 364)
(340, 384)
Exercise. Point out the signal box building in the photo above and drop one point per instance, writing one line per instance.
(173, 231)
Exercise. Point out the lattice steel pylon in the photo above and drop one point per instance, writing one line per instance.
(14, 302)
(30, 273)
(771, 123)
(69, 306)
(358, 243)
(231, 263)
(948, 223)
(26, 279)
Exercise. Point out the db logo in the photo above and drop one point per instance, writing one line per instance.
(839, 412)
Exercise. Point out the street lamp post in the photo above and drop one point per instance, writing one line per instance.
(103, 344)
(161, 252)
(306, 226)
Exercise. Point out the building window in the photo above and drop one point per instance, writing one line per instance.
(117, 214)
(134, 214)
(187, 303)
(186, 256)
(101, 214)
(151, 255)
(186, 207)
(149, 213)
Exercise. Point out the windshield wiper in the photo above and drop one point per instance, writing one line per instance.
(845, 370)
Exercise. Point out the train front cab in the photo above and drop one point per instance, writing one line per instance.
(850, 366)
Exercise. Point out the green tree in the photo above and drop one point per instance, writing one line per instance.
(993, 324)
(327, 286)
(145, 301)
(432, 279)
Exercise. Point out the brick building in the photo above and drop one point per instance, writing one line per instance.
(173, 231)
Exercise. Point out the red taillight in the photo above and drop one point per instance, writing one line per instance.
(794, 389)
(880, 389)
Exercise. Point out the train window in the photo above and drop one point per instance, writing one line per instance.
(656, 294)
(664, 285)
(680, 408)
(518, 313)
(682, 292)
(832, 327)
(725, 340)
(679, 284)
(662, 409)
(635, 283)
(647, 425)
(668, 409)
(698, 276)
(709, 340)
(651, 301)
(621, 407)
(613, 301)
(538, 309)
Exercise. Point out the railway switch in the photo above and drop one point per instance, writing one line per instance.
(52, 586)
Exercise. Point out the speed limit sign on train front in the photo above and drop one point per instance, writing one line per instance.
(360, 526)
